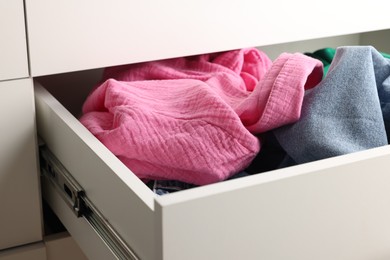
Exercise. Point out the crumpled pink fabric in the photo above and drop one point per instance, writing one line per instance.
(192, 119)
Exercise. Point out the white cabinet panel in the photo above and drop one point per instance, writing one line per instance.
(76, 35)
(13, 49)
(20, 218)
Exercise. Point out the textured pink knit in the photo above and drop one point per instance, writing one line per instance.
(187, 119)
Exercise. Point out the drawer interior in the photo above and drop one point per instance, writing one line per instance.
(71, 89)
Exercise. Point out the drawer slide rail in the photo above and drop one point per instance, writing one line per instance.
(75, 197)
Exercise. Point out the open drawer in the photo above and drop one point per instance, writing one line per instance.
(337, 208)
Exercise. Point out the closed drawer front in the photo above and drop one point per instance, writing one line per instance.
(61, 246)
(20, 218)
(13, 48)
(137, 31)
(28, 252)
(335, 208)
(54, 247)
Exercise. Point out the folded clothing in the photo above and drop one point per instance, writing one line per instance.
(191, 119)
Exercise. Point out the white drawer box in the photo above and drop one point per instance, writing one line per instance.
(72, 35)
(336, 208)
(20, 200)
(13, 48)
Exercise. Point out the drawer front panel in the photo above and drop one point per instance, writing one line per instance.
(72, 35)
(19, 180)
(332, 209)
(13, 49)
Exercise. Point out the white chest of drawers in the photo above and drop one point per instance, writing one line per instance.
(330, 209)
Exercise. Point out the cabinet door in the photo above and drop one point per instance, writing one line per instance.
(20, 217)
(13, 49)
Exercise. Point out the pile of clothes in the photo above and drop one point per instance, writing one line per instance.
(190, 121)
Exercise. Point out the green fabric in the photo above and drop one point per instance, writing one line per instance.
(326, 55)
(385, 55)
